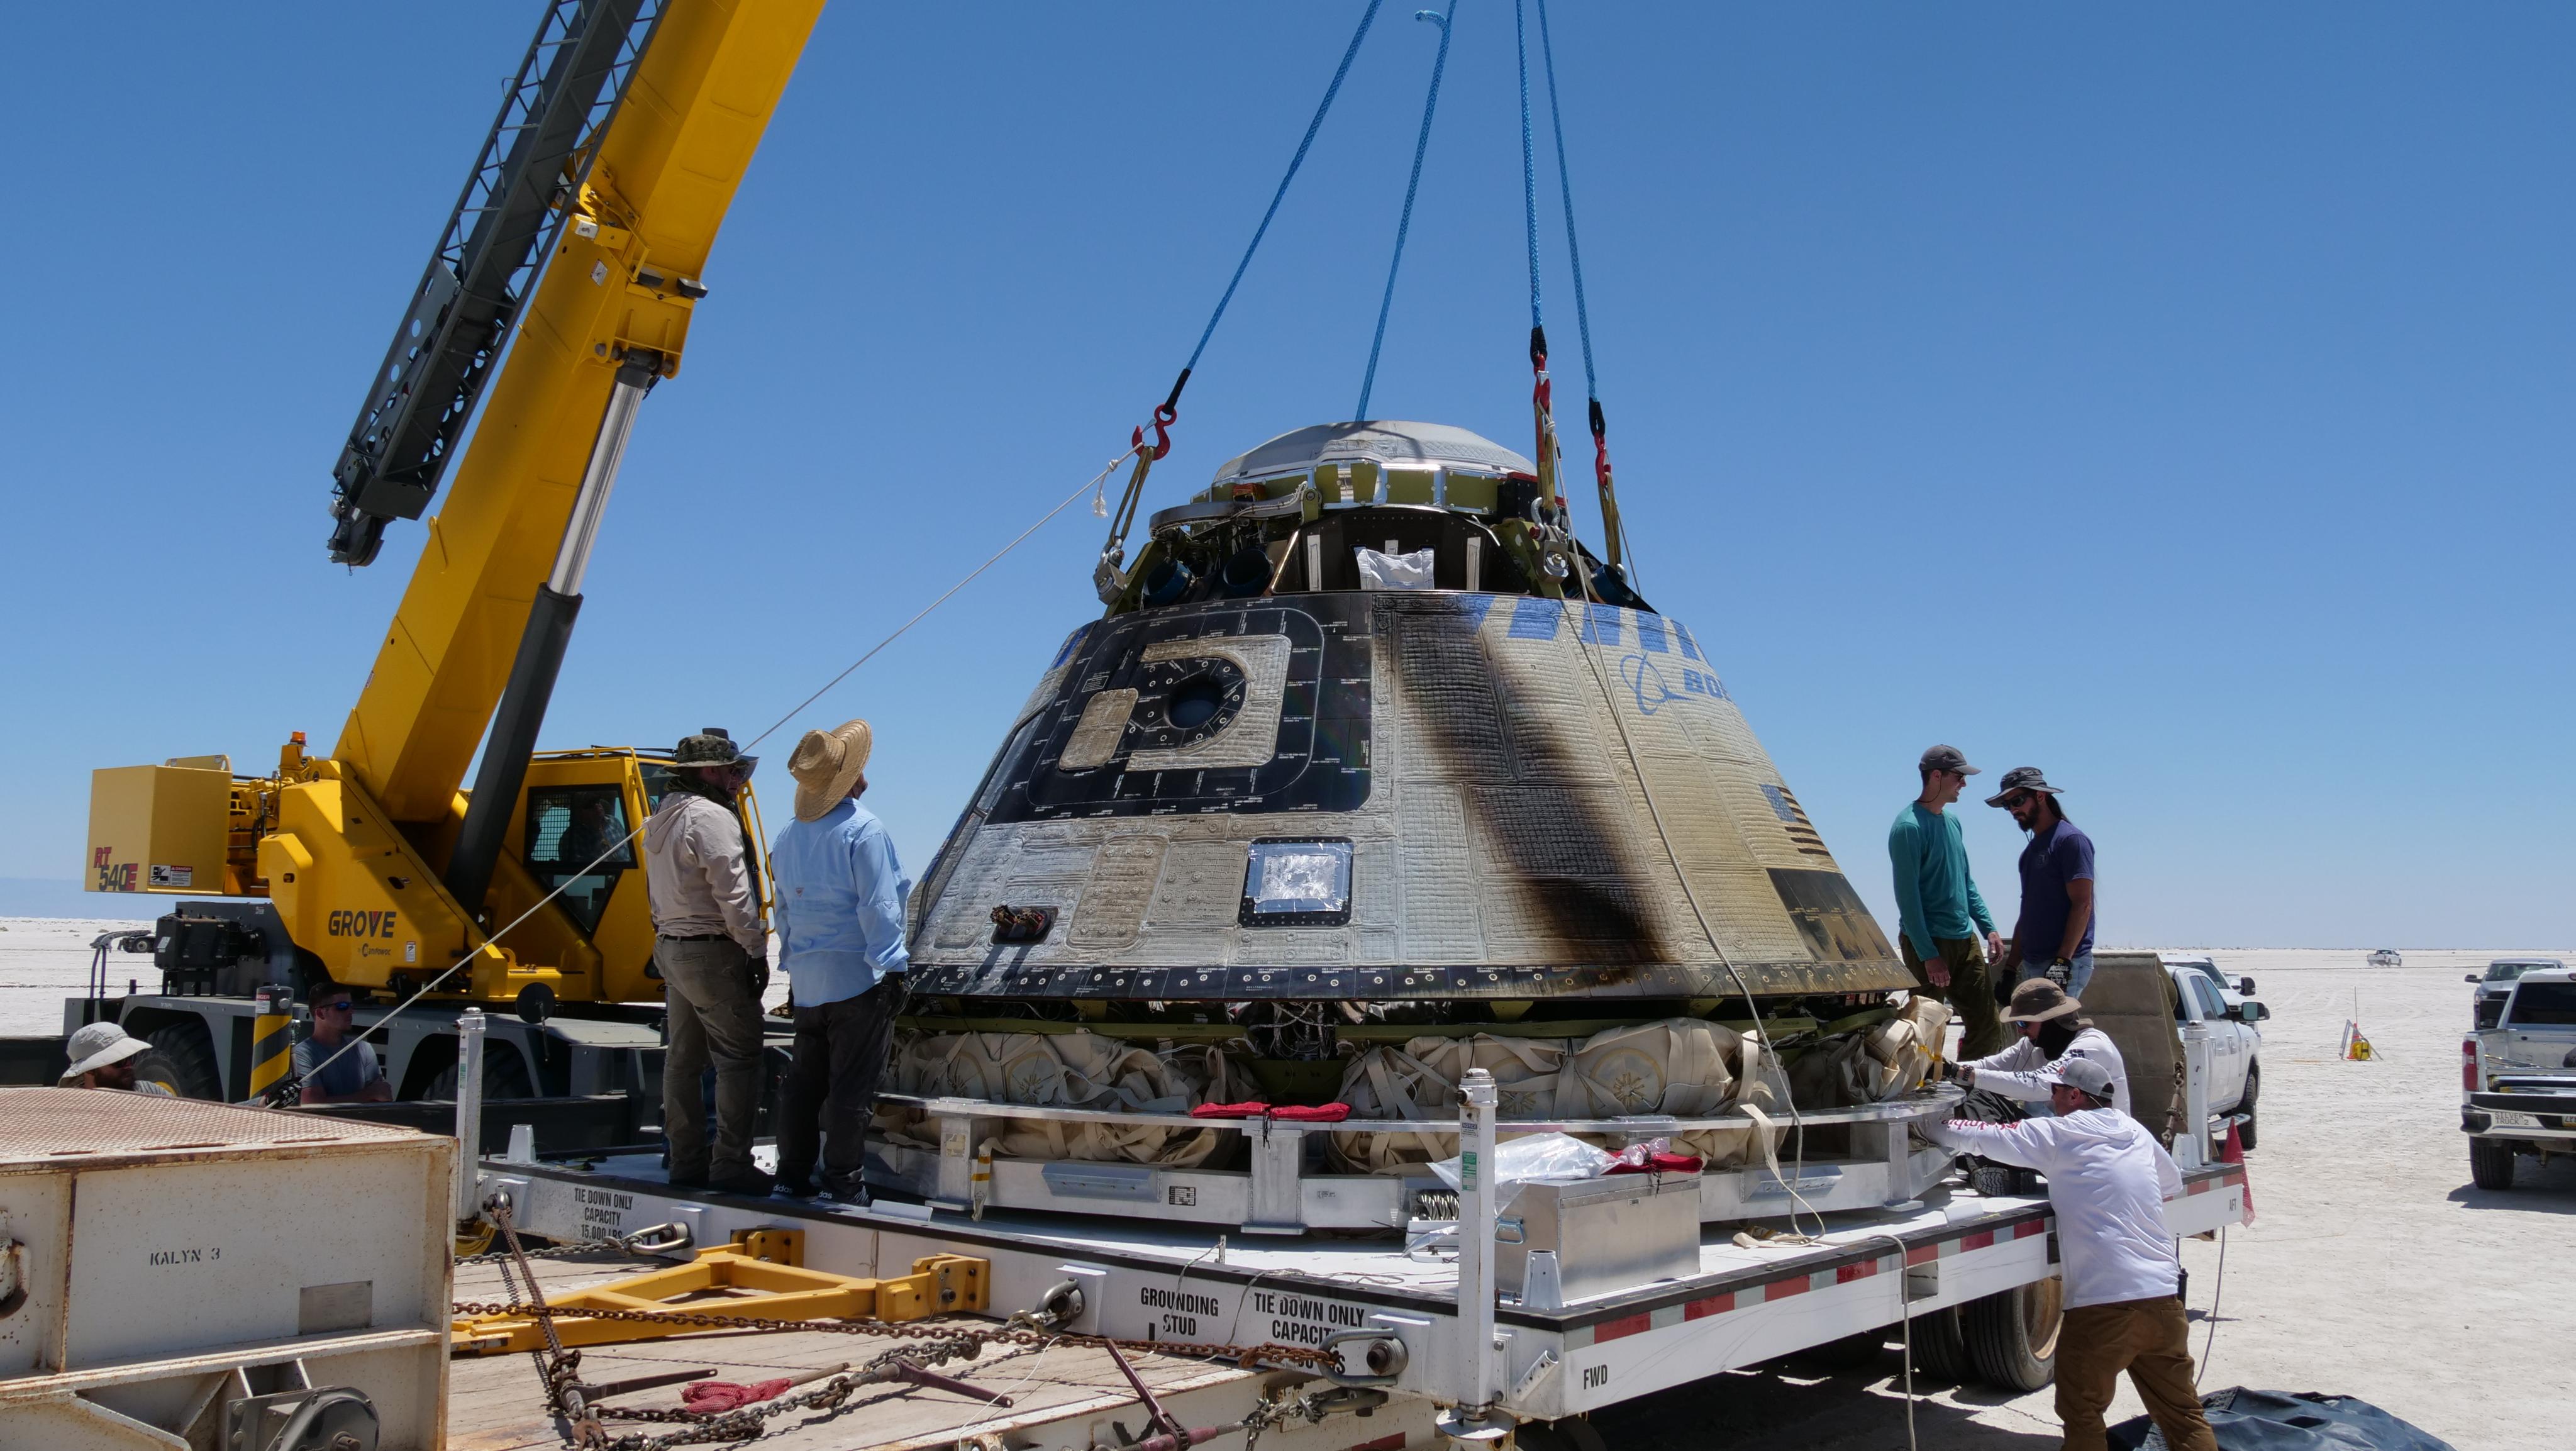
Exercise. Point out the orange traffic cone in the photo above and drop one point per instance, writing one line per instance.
(2233, 1152)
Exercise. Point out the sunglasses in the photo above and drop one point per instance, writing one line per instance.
(342, 1006)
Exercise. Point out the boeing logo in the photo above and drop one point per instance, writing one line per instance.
(1647, 683)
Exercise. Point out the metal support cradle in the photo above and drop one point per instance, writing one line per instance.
(751, 1283)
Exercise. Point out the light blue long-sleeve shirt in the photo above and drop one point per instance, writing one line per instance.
(841, 896)
(1935, 896)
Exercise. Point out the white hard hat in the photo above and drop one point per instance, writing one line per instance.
(98, 1045)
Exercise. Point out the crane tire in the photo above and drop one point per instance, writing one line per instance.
(2491, 1163)
(2012, 1336)
(505, 1075)
(181, 1059)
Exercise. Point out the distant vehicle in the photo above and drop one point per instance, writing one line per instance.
(2496, 984)
(2387, 957)
(2230, 989)
(2235, 1072)
(2518, 1078)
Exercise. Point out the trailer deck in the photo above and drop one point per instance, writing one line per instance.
(1748, 1302)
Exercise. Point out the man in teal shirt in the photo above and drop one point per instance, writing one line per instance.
(1942, 916)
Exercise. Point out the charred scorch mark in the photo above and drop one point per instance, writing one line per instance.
(1577, 883)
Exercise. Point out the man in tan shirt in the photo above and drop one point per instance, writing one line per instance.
(713, 950)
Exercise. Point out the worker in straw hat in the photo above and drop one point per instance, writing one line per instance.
(2050, 1034)
(101, 1055)
(841, 896)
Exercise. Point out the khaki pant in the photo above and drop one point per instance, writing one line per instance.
(713, 1013)
(1971, 993)
(2148, 1339)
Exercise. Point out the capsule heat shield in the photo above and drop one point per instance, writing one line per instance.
(1389, 796)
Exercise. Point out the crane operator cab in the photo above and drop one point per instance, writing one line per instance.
(565, 920)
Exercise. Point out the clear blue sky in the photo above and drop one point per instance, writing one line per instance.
(2178, 400)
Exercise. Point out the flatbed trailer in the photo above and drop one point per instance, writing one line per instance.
(1368, 1299)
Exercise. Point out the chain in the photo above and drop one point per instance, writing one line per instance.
(558, 1369)
(550, 1252)
(1247, 1356)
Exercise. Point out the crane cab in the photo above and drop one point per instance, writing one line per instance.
(317, 881)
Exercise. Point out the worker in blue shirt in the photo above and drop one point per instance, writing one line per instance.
(1941, 915)
(840, 909)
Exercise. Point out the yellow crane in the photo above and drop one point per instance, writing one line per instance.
(559, 295)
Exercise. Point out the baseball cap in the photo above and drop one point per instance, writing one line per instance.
(2081, 1074)
(1948, 758)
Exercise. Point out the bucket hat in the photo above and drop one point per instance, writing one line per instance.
(2039, 1000)
(710, 747)
(97, 1045)
(827, 764)
(2020, 778)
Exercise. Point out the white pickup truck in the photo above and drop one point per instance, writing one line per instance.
(2518, 1078)
(2204, 1011)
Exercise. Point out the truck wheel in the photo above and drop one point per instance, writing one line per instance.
(2491, 1163)
(1941, 1347)
(2253, 1087)
(2012, 1337)
(181, 1060)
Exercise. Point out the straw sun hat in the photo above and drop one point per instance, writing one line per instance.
(826, 765)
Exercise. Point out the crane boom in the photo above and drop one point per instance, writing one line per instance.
(418, 402)
(559, 295)
(621, 280)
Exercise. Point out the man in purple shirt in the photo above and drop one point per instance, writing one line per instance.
(2055, 935)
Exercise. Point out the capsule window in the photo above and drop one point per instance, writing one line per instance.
(1297, 882)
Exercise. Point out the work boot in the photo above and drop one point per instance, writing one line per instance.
(753, 1182)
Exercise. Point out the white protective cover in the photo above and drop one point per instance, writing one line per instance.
(1381, 570)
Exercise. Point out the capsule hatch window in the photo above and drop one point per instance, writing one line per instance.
(1297, 882)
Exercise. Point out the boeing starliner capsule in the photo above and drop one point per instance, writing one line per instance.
(1351, 731)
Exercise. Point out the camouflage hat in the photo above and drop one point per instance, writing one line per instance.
(709, 748)
(2021, 778)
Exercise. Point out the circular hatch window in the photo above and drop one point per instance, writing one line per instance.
(1183, 702)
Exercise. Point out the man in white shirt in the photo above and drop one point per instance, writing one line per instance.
(2108, 1179)
(101, 1055)
(2050, 1033)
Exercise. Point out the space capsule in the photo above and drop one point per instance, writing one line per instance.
(1354, 739)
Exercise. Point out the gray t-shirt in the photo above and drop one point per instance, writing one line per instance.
(356, 1069)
